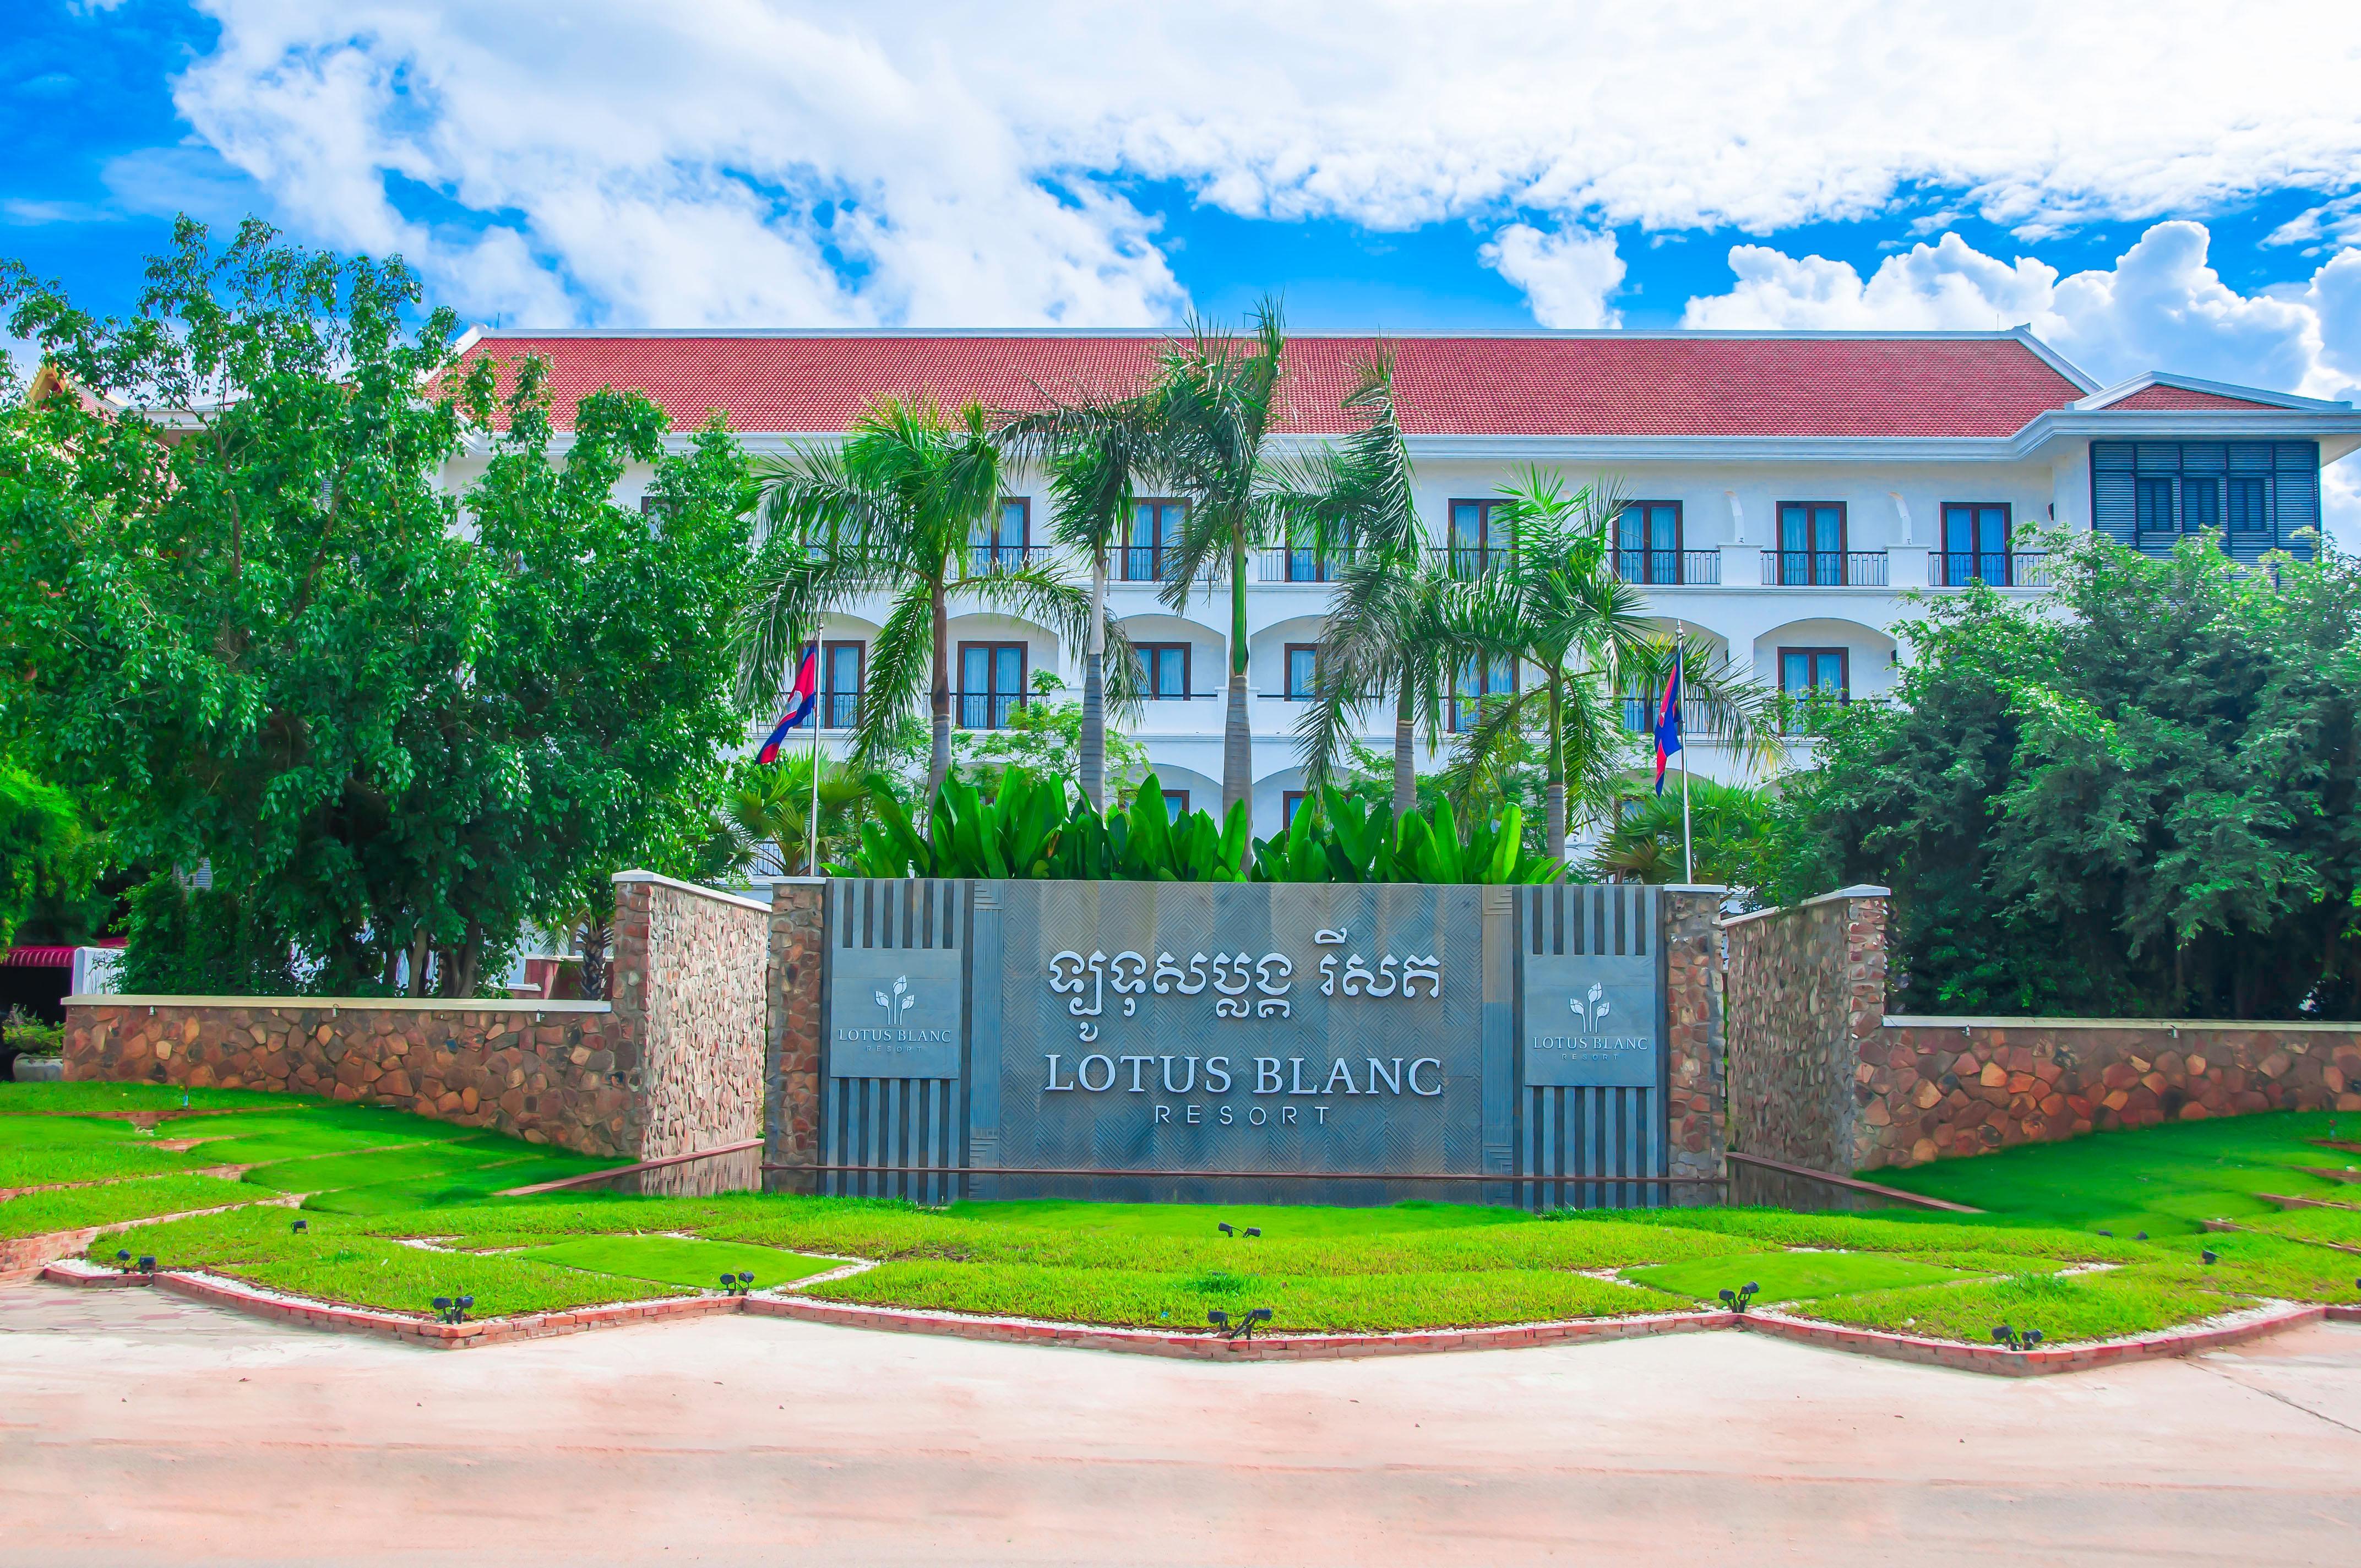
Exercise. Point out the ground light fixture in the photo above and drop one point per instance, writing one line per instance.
(1240, 1327)
(453, 1309)
(1736, 1299)
(1253, 1230)
(2003, 1334)
(300, 1226)
(1223, 1226)
(2208, 1256)
(737, 1284)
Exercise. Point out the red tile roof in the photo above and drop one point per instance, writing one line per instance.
(2160, 396)
(1608, 384)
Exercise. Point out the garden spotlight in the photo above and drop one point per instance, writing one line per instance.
(2208, 1256)
(1223, 1227)
(1736, 1299)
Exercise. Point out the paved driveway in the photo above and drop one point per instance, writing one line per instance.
(136, 1428)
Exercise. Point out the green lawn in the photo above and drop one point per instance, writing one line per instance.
(378, 1179)
(1790, 1276)
(72, 1208)
(681, 1260)
(22, 1098)
(2164, 1180)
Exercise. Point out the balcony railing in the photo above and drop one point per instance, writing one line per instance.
(1670, 568)
(1697, 718)
(987, 558)
(1143, 562)
(1465, 561)
(1300, 565)
(2000, 569)
(986, 710)
(1824, 568)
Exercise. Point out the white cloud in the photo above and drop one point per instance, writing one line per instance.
(1567, 277)
(2159, 307)
(801, 161)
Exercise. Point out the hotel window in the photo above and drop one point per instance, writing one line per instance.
(1648, 543)
(1155, 530)
(1803, 671)
(1479, 537)
(1287, 806)
(1812, 543)
(2253, 495)
(1302, 670)
(1176, 804)
(992, 684)
(840, 684)
(1166, 665)
(1478, 680)
(1975, 544)
(999, 542)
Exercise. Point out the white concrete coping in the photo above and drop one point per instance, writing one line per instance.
(713, 893)
(348, 1004)
(1864, 890)
(1695, 888)
(2249, 1025)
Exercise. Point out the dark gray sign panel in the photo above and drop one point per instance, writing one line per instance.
(896, 1012)
(1591, 1022)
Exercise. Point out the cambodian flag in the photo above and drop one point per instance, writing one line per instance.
(805, 697)
(1668, 722)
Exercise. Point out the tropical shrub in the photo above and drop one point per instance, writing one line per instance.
(2141, 799)
(1346, 839)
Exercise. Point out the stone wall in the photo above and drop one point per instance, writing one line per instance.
(1806, 991)
(546, 1072)
(672, 1066)
(688, 989)
(791, 1131)
(1820, 1075)
(1933, 1087)
(1694, 1099)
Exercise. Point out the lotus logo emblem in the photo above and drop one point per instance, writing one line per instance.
(1594, 1017)
(897, 1004)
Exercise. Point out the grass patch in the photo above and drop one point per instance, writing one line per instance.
(1790, 1276)
(676, 1260)
(2341, 1227)
(37, 1213)
(460, 1190)
(1360, 1304)
(443, 1160)
(2165, 1180)
(338, 1262)
(2064, 1307)
(65, 1148)
(85, 1098)
(1276, 1221)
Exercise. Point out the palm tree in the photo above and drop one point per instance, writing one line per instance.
(771, 806)
(1217, 399)
(1727, 825)
(1096, 452)
(1556, 606)
(1355, 503)
(892, 513)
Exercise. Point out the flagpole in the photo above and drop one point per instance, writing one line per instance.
(1681, 687)
(811, 854)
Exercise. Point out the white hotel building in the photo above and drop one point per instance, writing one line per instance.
(1788, 490)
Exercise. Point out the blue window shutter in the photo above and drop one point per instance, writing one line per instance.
(2111, 504)
(2298, 491)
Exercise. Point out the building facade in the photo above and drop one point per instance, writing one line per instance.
(1791, 495)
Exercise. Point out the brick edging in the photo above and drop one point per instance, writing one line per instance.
(1208, 1347)
(2000, 1361)
(307, 1312)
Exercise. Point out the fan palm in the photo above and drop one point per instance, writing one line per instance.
(1355, 503)
(1216, 398)
(1557, 607)
(771, 806)
(892, 513)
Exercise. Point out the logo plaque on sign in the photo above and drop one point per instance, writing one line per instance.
(895, 1013)
(1590, 1020)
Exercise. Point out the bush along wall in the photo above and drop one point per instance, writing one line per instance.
(1034, 829)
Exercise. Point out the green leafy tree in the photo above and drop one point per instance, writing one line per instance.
(2143, 799)
(45, 848)
(252, 626)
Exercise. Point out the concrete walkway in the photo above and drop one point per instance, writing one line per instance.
(138, 1429)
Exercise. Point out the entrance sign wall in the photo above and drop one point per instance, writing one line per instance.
(1202, 1041)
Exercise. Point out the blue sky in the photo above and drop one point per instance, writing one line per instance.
(2145, 201)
